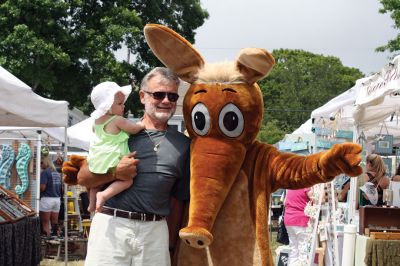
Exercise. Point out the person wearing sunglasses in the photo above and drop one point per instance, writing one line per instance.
(160, 95)
(131, 228)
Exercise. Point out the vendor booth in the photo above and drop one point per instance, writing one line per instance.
(23, 110)
(368, 114)
(23, 115)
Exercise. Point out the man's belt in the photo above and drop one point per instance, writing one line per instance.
(131, 215)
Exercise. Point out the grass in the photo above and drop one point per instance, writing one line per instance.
(49, 262)
(273, 243)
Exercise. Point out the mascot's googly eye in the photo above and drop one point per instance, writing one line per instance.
(200, 119)
(231, 121)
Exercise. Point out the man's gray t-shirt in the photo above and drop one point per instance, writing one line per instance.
(160, 173)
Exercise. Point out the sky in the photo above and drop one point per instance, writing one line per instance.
(347, 29)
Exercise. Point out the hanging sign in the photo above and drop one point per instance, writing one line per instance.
(383, 83)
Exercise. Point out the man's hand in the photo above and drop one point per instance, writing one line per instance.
(78, 168)
(126, 168)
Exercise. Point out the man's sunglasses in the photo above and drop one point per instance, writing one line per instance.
(160, 95)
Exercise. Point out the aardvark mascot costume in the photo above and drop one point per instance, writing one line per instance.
(232, 174)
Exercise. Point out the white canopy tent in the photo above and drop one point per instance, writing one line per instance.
(368, 108)
(376, 105)
(78, 135)
(304, 128)
(56, 133)
(332, 107)
(370, 102)
(21, 107)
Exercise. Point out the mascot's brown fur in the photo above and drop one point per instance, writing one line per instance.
(232, 174)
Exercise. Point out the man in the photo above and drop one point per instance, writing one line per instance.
(131, 229)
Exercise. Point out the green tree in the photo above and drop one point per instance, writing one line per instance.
(300, 82)
(270, 132)
(62, 48)
(392, 7)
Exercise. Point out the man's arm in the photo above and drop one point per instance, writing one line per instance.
(174, 220)
(90, 180)
(76, 171)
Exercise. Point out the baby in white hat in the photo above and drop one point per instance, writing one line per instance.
(111, 138)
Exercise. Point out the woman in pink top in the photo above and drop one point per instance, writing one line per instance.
(295, 220)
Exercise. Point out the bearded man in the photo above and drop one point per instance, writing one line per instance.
(131, 228)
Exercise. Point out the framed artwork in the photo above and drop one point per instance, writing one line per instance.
(384, 144)
(344, 134)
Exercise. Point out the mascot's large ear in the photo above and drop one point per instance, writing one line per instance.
(254, 63)
(174, 51)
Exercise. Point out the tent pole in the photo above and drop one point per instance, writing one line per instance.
(38, 159)
(353, 184)
(65, 201)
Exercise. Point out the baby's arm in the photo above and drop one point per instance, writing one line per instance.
(128, 126)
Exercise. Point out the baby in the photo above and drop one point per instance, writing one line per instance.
(111, 138)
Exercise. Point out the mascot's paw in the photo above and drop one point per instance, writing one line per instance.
(196, 237)
(71, 168)
(341, 158)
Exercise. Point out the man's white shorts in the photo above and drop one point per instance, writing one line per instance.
(49, 204)
(126, 242)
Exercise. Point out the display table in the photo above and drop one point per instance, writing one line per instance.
(382, 252)
(19, 231)
(375, 252)
(20, 242)
(382, 218)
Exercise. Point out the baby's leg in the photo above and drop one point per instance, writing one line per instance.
(113, 189)
(92, 198)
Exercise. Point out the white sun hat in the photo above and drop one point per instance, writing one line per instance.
(102, 97)
(371, 191)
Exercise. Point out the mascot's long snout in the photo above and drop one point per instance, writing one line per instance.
(214, 167)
